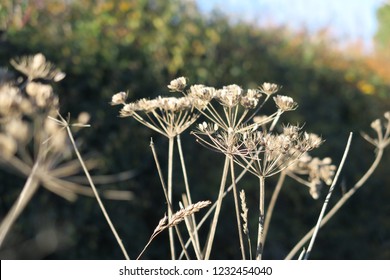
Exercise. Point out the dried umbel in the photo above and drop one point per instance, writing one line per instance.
(285, 103)
(382, 130)
(269, 88)
(36, 67)
(312, 172)
(169, 116)
(27, 135)
(178, 84)
(271, 153)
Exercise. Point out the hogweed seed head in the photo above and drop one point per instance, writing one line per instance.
(229, 96)
(119, 98)
(269, 88)
(250, 99)
(202, 92)
(178, 84)
(285, 103)
(8, 146)
(319, 172)
(36, 67)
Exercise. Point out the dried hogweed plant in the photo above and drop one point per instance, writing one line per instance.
(229, 130)
(233, 125)
(32, 144)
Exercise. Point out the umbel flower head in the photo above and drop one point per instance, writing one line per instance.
(27, 135)
(36, 67)
(169, 116)
(318, 172)
(271, 153)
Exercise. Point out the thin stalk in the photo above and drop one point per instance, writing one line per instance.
(339, 204)
(170, 169)
(272, 203)
(214, 223)
(325, 205)
(279, 113)
(237, 207)
(166, 196)
(29, 189)
(211, 209)
(260, 245)
(95, 191)
(192, 217)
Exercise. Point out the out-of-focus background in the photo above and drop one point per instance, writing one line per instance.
(332, 57)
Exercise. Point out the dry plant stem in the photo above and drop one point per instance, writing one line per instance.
(325, 205)
(260, 245)
(170, 163)
(211, 209)
(29, 189)
(95, 191)
(192, 217)
(339, 204)
(214, 223)
(279, 113)
(237, 207)
(167, 198)
(272, 203)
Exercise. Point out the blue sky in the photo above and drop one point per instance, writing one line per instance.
(348, 20)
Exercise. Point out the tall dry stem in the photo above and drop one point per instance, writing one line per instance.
(213, 228)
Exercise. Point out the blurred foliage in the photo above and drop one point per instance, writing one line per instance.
(140, 45)
(382, 36)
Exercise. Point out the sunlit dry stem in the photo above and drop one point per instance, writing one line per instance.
(29, 189)
(192, 219)
(325, 205)
(214, 223)
(167, 196)
(339, 204)
(272, 203)
(85, 169)
(212, 208)
(237, 208)
(170, 170)
(260, 244)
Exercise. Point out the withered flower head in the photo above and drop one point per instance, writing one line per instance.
(178, 84)
(285, 103)
(36, 67)
(202, 92)
(230, 95)
(119, 98)
(250, 99)
(269, 88)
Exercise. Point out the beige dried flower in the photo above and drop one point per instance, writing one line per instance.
(42, 94)
(382, 130)
(83, 118)
(178, 84)
(36, 67)
(318, 172)
(18, 129)
(250, 99)
(171, 115)
(269, 88)
(119, 98)
(10, 100)
(8, 146)
(229, 96)
(285, 103)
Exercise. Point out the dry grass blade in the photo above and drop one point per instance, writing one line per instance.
(177, 217)
(188, 211)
